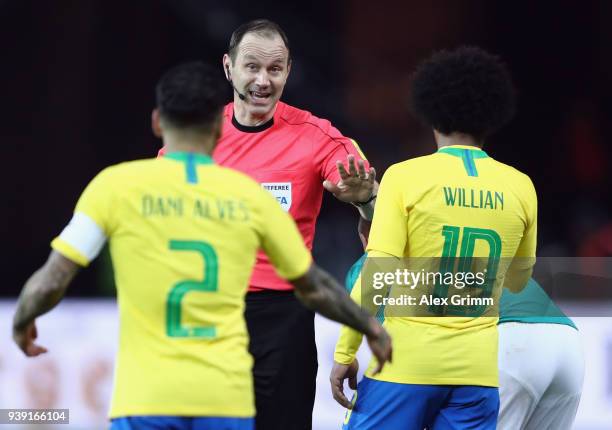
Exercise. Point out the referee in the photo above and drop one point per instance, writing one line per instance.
(294, 155)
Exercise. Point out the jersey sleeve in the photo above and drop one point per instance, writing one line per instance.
(389, 229)
(91, 224)
(521, 266)
(333, 147)
(527, 246)
(349, 340)
(281, 240)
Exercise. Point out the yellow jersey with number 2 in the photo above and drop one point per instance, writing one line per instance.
(183, 235)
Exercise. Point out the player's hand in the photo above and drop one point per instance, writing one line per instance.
(339, 373)
(24, 338)
(356, 185)
(380, 344)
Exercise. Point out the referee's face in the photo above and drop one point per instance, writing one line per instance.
(260, 72)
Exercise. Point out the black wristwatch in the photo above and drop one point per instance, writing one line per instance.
(367, 202)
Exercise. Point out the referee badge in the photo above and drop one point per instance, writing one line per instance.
(281, 192)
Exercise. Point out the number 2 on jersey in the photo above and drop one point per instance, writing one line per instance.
(174, 327)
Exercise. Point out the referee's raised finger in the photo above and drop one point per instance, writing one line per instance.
(372, 174)
(362, 171)
(351, 165)
(343, 173)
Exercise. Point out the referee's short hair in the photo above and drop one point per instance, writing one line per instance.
(261, 27)
(465, 90)
(191, 95)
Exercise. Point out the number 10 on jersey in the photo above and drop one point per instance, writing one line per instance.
(448, 261)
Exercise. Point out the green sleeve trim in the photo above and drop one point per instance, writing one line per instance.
(352, 276)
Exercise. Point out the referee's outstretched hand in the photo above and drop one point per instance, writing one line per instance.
(355, 185)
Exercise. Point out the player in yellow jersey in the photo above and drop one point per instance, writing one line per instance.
(183, 236)
(455, 207)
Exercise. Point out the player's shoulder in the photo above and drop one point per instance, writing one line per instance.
(412, 166)
(125, 169)
(143, 166)
(513, 175)
(510, 170)
(118, 179)
(240, 183)
(417, 171)
(305, 122)
(237, 177)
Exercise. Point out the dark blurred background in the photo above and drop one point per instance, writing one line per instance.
(77, 78)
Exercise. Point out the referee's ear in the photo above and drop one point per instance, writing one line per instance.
(155, 123)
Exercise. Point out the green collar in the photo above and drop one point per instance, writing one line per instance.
(468, 154)
(460, 150)
(190, 157)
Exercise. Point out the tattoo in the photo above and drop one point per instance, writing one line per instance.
(44, 289)
(320, 292)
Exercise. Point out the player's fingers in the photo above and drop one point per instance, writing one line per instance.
(33, 350)
(338, 394)
(341, 170)
(32, 332)
(351, 165)
(362, 170)
(383, 353)
(352, 382)
(22, 346)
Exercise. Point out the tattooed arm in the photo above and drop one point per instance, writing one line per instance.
(44, 290)
(319, 291)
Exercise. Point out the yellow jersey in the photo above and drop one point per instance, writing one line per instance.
(458, 202)
(183, 235)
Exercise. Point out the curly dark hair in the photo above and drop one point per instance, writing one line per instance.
(191, 95)
(466, 90)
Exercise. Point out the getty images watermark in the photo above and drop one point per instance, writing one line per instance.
(458, 286)
(430, 286)
(406, 278)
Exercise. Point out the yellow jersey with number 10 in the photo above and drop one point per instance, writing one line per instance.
(183, 237)
(458, 202)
